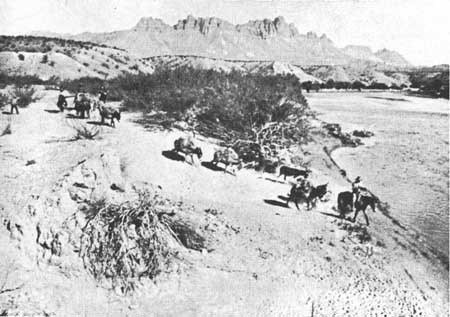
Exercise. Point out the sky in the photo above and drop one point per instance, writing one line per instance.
(418, 29)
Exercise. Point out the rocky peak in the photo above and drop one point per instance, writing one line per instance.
(147, 24)
(267, 28)
(202, 25)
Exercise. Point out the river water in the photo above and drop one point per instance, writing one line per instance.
(406, 163)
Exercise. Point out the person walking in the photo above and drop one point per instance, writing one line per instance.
(14, 106)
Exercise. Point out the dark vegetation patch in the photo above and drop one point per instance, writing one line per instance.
(269, 111)
(41, 44)
(431, 81)
(358, 231)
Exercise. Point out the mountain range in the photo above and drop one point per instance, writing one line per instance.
(258, 40)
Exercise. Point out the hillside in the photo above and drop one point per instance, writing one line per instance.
(254, 67)
(48, 58)
(392, 58)
(360, 72)
(274, 40)
(364, 73)
(361, 52)
(65, 59)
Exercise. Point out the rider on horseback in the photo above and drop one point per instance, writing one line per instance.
(304, 184)
(356, 189)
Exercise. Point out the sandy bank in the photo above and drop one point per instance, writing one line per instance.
(267, 259)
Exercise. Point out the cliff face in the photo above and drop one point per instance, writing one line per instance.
(266, 39)
(267, 28)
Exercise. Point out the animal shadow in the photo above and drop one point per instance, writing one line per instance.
(7, 112)
(275, 203)
(273, 180)
(336, 216)
(171, 155)
(97, 123)
(52, 111)
(72, 116)
(283, 197)
(212, 166)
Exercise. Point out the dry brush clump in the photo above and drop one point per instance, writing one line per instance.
(5, 128)
(84, 131)
(24, 96)
(122, 244)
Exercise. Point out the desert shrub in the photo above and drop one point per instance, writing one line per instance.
(125, 243)
(44, 59)
(21, 57)
(358, 85)
(51, 63)
(19, 81)
(84, 131)
(375, 85)
(432, 82)
(105, 65)
(24, 96)
(134, 67)
(259, 108)
(86, 64)
(6, 129)
(4, 100)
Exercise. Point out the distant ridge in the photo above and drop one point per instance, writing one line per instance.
(266, 39)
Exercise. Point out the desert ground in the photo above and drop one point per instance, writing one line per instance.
(263, 259)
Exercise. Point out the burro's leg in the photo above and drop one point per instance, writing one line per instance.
(296, 199)
(356, 214)
(365, 216)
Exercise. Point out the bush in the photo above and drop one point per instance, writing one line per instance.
(84, 131)
(21, 57)
(259, 108)
(24, 96)
(122, 244)
(105, 65)
(375, 85)
(4, 100)
(44, 59)
(6, 129)
(86, 64)
(19, 81)
(358, 85)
